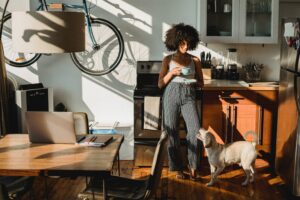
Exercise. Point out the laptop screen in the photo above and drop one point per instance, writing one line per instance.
(51, 127)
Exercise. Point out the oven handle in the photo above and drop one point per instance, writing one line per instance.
(146, 142)
(153, 142)
(138, 97)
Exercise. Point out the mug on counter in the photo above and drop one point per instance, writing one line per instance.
(227, 8)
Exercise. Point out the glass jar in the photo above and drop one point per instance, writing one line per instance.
(231, 59)
(231, 65)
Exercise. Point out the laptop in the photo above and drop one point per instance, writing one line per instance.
(51, 127)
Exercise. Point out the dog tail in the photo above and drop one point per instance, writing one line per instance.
(254, 136)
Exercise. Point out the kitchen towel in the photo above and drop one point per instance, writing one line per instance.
(151, 113)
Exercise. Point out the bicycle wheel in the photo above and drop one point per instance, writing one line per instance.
(107, 56)
(13, 58)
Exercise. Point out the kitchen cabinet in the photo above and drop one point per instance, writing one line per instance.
(229, 114)
(239, 21)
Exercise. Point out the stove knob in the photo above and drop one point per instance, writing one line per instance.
(142, 66)
(148, 67)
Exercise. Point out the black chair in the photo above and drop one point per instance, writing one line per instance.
(125, 188)
(13, 187)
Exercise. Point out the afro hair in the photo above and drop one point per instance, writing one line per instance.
(179, 33)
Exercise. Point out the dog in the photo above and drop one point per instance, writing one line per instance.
(220, 156)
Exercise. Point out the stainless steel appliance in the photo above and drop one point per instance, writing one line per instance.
(146, 140)
(287, 161)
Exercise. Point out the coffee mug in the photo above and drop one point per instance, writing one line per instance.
(185, 71)
(227, 8)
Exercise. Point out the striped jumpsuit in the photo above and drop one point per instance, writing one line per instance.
(181, 97)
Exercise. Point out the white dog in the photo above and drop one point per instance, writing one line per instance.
(219, 155)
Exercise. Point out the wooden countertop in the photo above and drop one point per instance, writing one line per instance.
(215, 84)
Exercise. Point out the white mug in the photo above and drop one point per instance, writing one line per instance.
(227, 8)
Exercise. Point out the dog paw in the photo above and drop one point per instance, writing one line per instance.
(245, 183)
(209, 184)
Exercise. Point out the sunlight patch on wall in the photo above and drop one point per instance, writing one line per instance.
(29, 74)
(128, 13)
(165, 27)
(105, 103)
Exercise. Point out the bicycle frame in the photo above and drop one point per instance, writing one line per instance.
(43, 6)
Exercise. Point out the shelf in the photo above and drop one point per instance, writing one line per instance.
(260, 13)
(219, 13)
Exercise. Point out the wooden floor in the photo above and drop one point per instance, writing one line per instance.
(267, 185)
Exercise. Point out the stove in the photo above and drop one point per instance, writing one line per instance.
(147, 79)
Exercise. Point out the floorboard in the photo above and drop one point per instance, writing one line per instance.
(267, 185)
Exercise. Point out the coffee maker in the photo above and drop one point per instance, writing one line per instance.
(231, 64)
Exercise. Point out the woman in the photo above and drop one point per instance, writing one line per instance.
(180, 73)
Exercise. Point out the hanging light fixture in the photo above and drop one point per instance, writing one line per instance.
(48, 31)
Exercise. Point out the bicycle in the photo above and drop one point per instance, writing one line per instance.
(100, 57)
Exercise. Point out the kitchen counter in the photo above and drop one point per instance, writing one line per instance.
(216, 84)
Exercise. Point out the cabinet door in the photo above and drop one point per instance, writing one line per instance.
(243, 114)
(219, 20)
(215, 115)
(230, 114)
(245, 118)
(268, 101)
(258, 21)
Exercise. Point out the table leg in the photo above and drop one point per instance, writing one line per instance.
(104, 189)
(119, 171)
(46, 189)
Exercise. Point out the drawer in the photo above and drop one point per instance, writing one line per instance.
(229, 96)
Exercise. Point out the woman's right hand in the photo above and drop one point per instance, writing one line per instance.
(176, 71)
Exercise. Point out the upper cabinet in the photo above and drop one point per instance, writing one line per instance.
(239, 21)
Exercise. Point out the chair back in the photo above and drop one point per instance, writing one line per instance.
(157, 165)
(14, 186)
(81, 123)
(3, 193)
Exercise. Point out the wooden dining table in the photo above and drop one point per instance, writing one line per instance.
(19, 157)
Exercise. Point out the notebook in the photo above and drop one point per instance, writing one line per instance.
(95, 140)
(51, 127)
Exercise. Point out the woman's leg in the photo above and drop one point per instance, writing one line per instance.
(171, 111)
(191, 118)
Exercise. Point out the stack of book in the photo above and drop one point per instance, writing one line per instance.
(95, 140)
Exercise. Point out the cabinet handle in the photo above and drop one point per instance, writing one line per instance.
(227, 122)
(260, 123)
(233, 121)
(230, 98)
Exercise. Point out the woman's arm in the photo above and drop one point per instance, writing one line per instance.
(165, 75)
(198, 69)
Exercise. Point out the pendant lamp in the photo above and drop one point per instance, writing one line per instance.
(48, 31)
